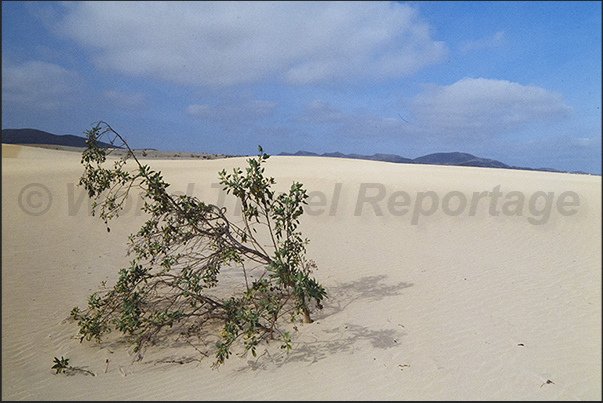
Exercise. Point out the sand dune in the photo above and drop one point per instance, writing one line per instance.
(474, 297)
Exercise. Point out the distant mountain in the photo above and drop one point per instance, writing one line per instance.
(33, 136)
(453, 158)
(374, 157)
(460, 159)
(390, 158)
(303, 154)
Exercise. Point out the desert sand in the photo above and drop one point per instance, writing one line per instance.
(487, 299)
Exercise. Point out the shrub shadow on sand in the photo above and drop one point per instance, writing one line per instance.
(366, 289)
(170, 347)
(345, 338)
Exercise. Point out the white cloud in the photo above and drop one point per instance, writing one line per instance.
(484, 107)
(38, 84)
(465, 115)
(227, 43)
(357, 125)
(495, 41)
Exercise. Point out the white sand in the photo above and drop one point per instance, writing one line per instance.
(478, 306)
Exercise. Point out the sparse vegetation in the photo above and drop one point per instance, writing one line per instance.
(62, 366)
(179, 253)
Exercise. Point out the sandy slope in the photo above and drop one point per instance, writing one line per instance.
(485, 304)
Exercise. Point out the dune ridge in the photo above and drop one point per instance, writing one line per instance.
(458, 305)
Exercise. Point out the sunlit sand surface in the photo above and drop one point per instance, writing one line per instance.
(490, 300)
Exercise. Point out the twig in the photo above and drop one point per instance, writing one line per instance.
(193, 346)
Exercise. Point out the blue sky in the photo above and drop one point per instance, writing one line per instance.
(519, 82)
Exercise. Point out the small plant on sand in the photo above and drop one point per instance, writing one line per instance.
(62, 366)
(180, 251)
